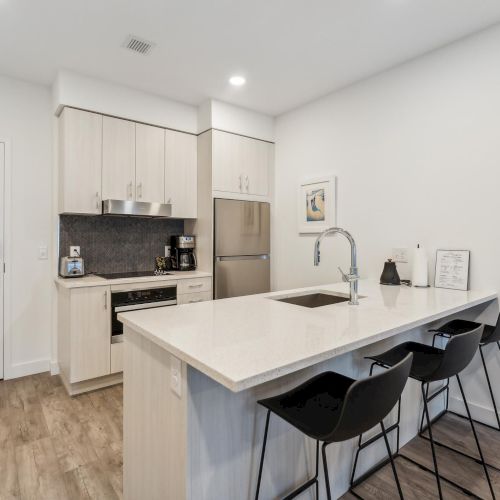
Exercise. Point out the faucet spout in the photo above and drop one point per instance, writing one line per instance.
(353, 277)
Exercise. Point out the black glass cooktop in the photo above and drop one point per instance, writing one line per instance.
(132, 274)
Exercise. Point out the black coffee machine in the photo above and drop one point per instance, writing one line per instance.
(184, 258)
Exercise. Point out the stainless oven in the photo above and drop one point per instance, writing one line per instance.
(133, 300)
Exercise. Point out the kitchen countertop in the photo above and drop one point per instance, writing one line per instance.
(245, 341)
(93, 280)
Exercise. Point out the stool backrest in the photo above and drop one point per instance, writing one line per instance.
(458, 353)
(369, 400)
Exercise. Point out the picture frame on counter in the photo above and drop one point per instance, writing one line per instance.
(317, 204)
(452, 269)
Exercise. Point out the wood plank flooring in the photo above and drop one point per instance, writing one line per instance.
(56, 447)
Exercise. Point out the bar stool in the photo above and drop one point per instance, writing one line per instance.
(333, 408)
(491, 335)
(431, 364)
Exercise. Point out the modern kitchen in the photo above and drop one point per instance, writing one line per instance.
(249, 250)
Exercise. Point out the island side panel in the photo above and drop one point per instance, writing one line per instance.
(154, 450)
(226, 431)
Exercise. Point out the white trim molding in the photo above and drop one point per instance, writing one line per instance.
(480, 413)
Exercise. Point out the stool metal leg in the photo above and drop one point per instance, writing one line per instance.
(389, 452)
(434, 459)
(489, 385)
(262, 454)
(476, 438)
(325, 468)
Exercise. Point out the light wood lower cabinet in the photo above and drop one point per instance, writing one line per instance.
(192, 298)
(84, 333)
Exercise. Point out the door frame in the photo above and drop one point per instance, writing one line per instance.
(5, 327)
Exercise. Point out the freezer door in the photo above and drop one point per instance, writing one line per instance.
(241, 276)
(241, 227)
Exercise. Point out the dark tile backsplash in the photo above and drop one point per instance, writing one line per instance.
(112, 244)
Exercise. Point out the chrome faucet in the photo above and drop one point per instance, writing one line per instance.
(351, 278)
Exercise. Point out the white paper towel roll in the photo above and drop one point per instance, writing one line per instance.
(419, 273)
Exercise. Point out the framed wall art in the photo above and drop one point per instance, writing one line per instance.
(317, 204)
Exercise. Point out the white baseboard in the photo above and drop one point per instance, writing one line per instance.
(480, 413)
(27, 368)
(54, 368)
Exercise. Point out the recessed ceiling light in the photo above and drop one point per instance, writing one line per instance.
(237, 81)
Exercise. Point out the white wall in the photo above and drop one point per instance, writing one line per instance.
(25, 120)
(72, 89)
(416, 151)
(223, 116)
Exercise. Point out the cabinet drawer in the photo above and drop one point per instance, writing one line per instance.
(194, 285)
(192, 298)
(117, 357)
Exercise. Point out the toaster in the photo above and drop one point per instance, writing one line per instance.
(71, 267)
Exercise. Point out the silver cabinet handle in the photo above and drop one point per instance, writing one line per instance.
(139, 190)
(195, 286)
(97, 199)
(106, 300)
(193, 301)
(129, 190)
(241, 183)
(247, 182)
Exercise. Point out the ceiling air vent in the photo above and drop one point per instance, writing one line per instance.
(138, 45)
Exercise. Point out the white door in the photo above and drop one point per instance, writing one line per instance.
(149, 163)
(181, 186)
(2, 179)
(118, 159)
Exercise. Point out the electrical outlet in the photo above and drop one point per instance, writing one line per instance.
(175, 375)
(74, 251)
(43, 253)
(400, 255)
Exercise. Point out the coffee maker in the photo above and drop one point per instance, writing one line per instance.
(183, 253)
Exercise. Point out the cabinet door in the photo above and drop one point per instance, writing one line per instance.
(227, 166)
(150, 163)
(80, 156)
(181, 187)
(118, 159)
(90, 332)
(257, 161)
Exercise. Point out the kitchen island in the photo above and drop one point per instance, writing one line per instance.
(193, 374)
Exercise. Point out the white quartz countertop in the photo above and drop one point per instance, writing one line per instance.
(245, 341)
(93, 280)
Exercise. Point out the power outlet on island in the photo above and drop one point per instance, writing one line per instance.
(175, 375)
(400, 255)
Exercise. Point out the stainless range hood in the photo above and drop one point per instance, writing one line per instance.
(136, 208)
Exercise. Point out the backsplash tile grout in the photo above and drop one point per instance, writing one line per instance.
(112, 244)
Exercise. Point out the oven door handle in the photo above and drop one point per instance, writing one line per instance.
(146, 305)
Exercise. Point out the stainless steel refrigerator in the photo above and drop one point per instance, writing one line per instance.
(241, 248)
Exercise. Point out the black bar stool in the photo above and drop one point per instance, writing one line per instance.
(332, 408)
(431, 364)
(491, 335)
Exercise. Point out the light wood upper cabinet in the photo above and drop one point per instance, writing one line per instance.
(118, 159)
(181, 173)
(241, 164)
(80, 162)
(90, 333)
(150, 164)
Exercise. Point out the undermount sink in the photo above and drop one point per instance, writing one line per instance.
(314, 299)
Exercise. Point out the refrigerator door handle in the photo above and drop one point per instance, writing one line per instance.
(242, 257)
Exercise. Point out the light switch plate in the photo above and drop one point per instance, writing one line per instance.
(400, 255)
(43, 253)
(175, 375)
(74, 251)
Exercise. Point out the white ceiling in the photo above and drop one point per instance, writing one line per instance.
(290, 51)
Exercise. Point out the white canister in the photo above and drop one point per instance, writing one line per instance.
(419, 275)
